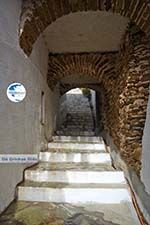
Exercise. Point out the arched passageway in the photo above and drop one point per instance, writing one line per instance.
(122, 78)
(103, 45)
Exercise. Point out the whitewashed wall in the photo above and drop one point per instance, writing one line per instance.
(20, 128)
(146, 152)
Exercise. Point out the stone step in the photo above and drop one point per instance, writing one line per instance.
(82, 127)
(78, 139)
(69, 214)
(77, 120)
(80, 113)
(33, 184)
(80, 122)
(76, 129)
(72, 126)
(74, 157)
(72, 151)
(74, 133)
(78, 146)
(73, 194)
(81, 117)
(68, 176)
(46, 166)
(70, 132)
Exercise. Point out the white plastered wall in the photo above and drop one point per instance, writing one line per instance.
(145, 173)
(20, 128)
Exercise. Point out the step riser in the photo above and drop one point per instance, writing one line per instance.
(67, 195)
(77, 139)
(75, 157)
(77, 146)
(92, 134)
(69, 177)
(68, 151)
(47, 166)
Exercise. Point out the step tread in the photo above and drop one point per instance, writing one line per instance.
(75, 157)
(74, 133)
(83, 146)
(78, 139)
(64, 150)
(105, 195)
(102, 177)
(84, 166)
(61, 185)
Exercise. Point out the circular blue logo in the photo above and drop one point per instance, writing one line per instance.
(16, 92)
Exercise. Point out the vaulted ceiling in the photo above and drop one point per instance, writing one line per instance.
(85, 32)
(37, 15)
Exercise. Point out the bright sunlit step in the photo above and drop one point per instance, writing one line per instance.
(77, 139)
(97, 177)
(75, 157)
(77, 146)
(76, 133)
(63, 166)
(74, 195)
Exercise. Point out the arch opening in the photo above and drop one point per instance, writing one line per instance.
(79, 113)
(38, 15)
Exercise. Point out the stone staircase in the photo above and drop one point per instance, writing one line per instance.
(78, 171)
(79, 120)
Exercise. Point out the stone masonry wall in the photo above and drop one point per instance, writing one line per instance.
(127, 97)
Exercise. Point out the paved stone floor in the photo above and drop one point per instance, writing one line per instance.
(35, 213)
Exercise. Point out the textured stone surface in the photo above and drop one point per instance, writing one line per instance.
(37, 15)
(27, 213)
(94, 65)
(128, 98)
(146, 153)
(73, 166)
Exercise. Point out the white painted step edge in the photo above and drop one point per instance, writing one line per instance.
(78, 146)
(107, 177)
(75, 157)
(71, 195)
(77, 139)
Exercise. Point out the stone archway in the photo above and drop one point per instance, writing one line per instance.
(125, 78)
(37, 15)
(96, 66)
